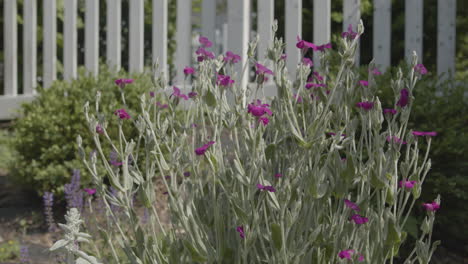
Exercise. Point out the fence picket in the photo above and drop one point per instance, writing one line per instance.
(159, 37)
(92, 36)
(238, 34)
(209, 19)
(446, 24)
(136, 35)
(264, 26)
(114, 29)
(49, 46)
(29, 46)
(382, 32)
(413, 29)
(10, 46)
(322, 26)
(293, 29)
(183, 37)
(351, 16)
(70, 40)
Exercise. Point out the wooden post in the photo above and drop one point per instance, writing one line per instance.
(92, 37)
(293, 29)
(11, 49)
(382, 33)
(264, 27)
(183, 37)
(209, 19)
(352, 16)
(413, 29)
(113, 38)
(159, 35)
(70, 40)
(322, 26)
(29, 46)
(136, 35)
(49, 47)
(238, 35)
(446, 25)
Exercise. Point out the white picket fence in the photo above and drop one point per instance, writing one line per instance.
(238, 34)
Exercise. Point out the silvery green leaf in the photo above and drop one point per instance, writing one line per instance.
(59, 244)
(276, 235)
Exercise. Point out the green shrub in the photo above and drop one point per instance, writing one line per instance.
(44, 137)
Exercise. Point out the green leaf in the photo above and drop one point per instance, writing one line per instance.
(210, 99)
(270, 151)
(276, 235)
(196, 256)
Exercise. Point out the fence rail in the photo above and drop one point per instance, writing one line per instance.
(238, 34)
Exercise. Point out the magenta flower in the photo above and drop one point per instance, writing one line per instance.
(407, 184)
(317, 77)
(278, 175)
(204, 54)
(123, 82)
(361, 258)
(205, 42)
(308, 62)
(404, 98)
(390, 111)
(431, 207)
(350, 34)
(376, 71)
(364, 83)
(231, 57)
(90, 191)
(264, 120)
(114, 159)
(260, 69)
(151, 94)
(122, 114)
(240, 230)
(201, 150)
(189, 70)
(258, 109)
(314, 85)
(266, 188)
(351, 205)
(99, 129)
(187, 173)
(395, 139)
(304, 45)
(298, 98)
(224, 80)
(358, 219)
(178, 94)
(162, 106)
(346, 254)
(421, 133)
(323, 47)
(283, 56)
(192, 94)
(365, 105)
(420, 69)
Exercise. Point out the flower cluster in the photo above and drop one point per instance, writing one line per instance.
(201, 150)
(231, 57)
(224, 80)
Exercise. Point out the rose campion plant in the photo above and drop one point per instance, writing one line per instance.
(286, 192)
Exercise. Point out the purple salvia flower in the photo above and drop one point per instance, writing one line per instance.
(73, 193)
(48, 210)
(114, 159)
(24, 255)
